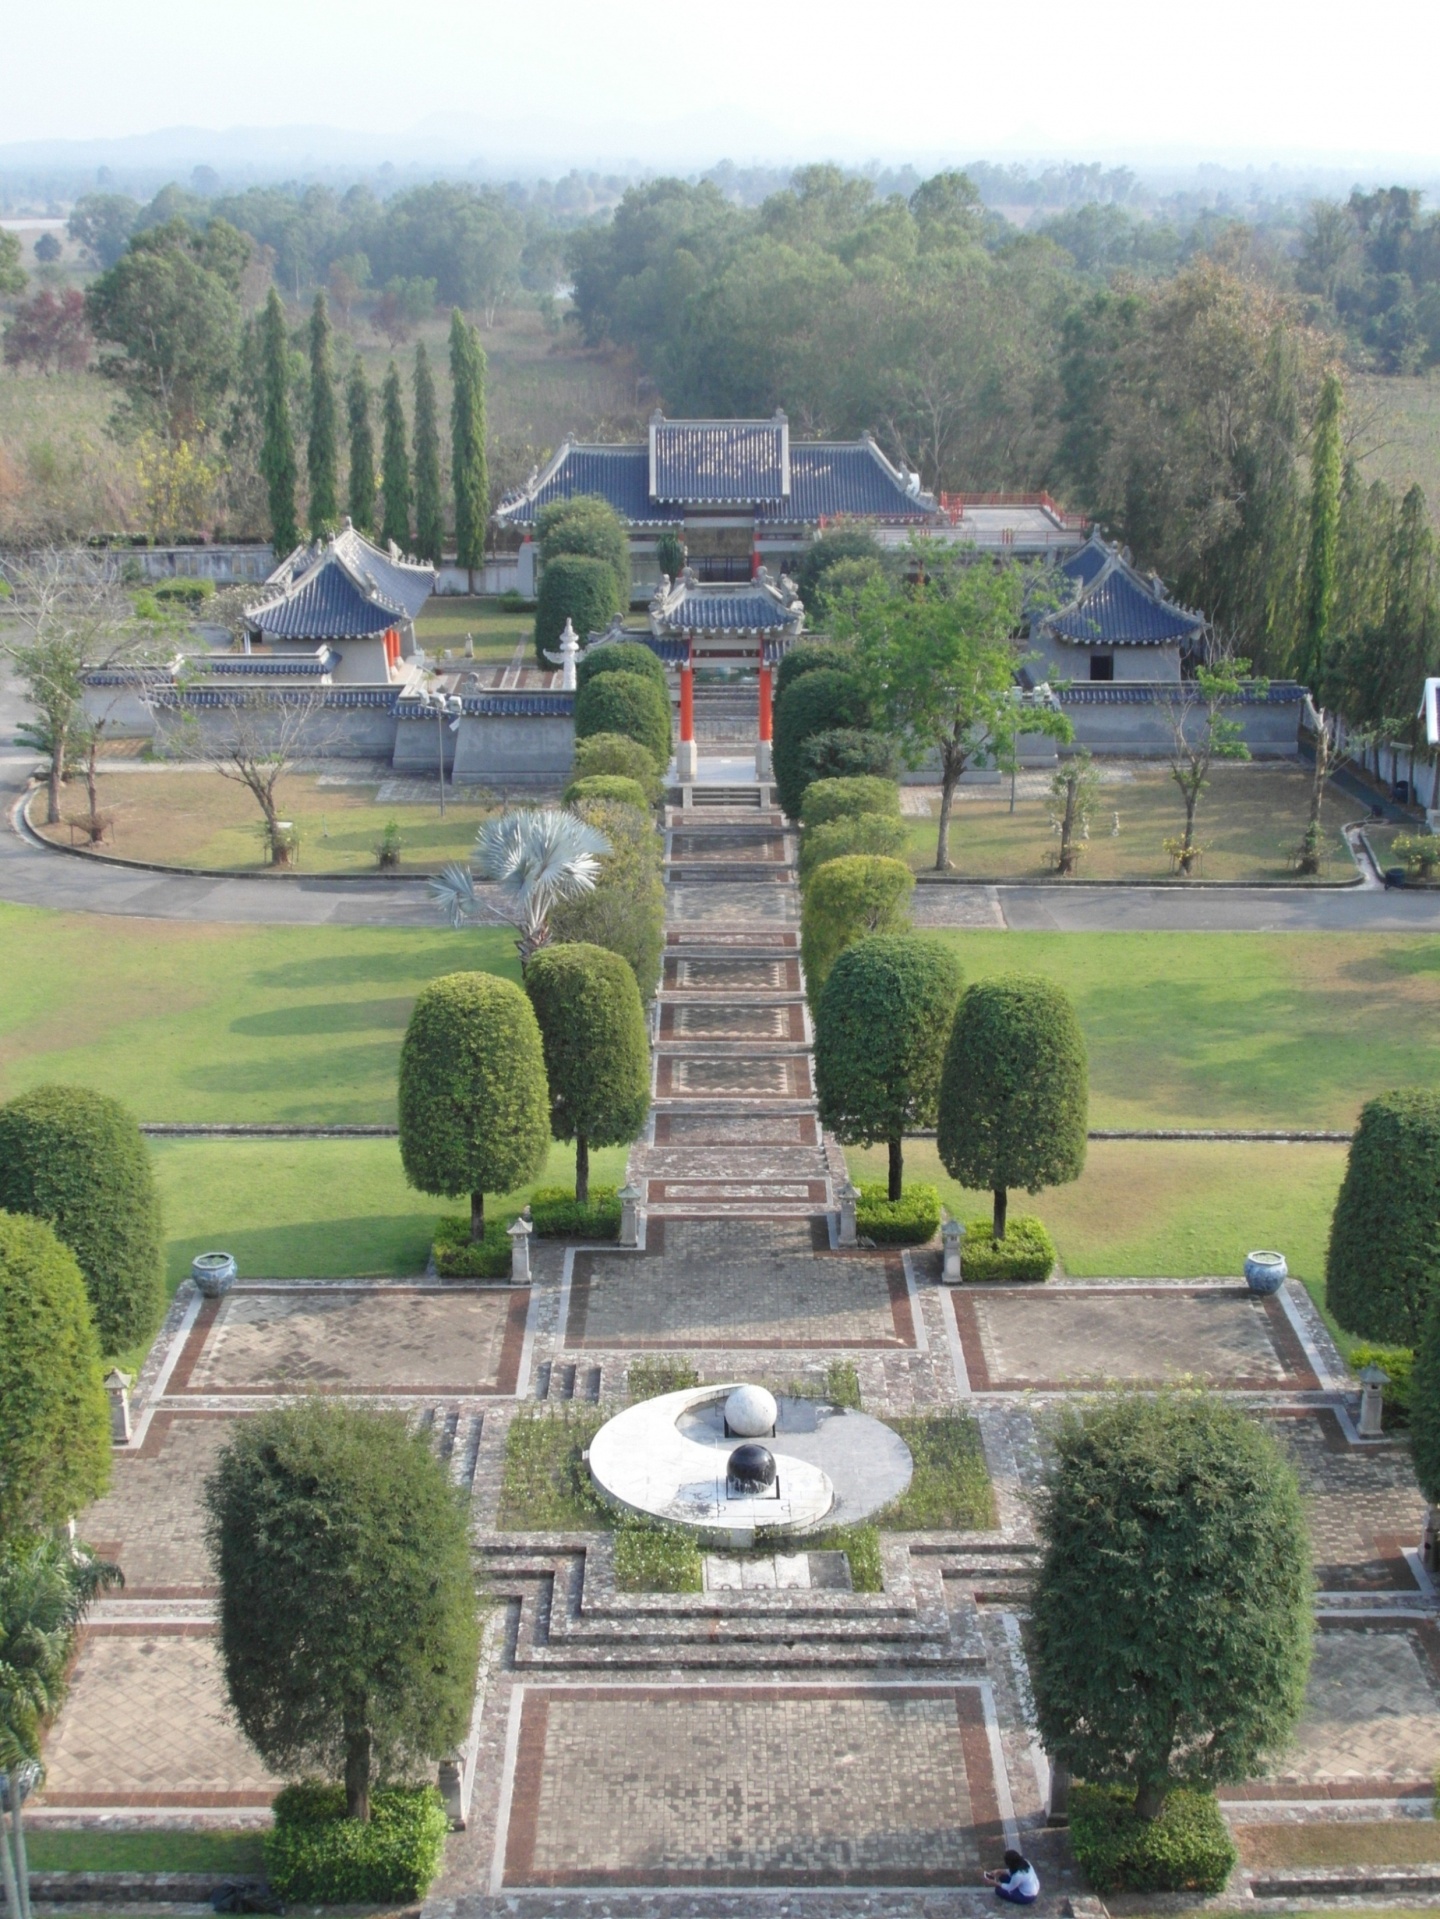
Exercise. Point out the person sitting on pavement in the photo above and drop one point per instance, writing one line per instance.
(1019, 1882)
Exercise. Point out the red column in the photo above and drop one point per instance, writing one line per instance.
(764, 702)
(687, 702)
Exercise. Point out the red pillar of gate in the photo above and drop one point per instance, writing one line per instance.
(764, 702)
(687, 702)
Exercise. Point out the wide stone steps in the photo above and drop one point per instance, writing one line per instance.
(566, 1380)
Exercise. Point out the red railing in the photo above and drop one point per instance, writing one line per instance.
(953, 505)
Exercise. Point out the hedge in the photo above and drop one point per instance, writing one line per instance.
(457, 1256)
(849, 752)
(623, 656)
(187, 593)
(586, 524)
(559, 1215)
(815, 703)
(613, 755)
(1399, 1363)
(910, 1220)
(76, 1159)
(608, 786)
(625, 913)
(315, 1855)
(627, 704)
(808, 657)
(577, 588)
(54, 1416)
(837, 799)
(1424, 1408)
(1380, 1270)
(1187, 1849)
(1027, 1251)
(846, 899)
(854, 833)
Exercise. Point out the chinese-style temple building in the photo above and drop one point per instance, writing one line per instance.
(346, 601)
(1116, 623)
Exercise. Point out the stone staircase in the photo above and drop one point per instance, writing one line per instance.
(733, 1128)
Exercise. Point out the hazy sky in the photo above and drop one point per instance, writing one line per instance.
(661, 83)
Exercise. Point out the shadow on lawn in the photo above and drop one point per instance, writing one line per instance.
(345, 1084)
(366, 1246)
(418, 955)
(325, 1016)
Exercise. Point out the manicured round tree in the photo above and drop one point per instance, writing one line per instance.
(844, 901)
(348, 1631)
(77, 1159)
(587, 524)
(851, 833)
(608, 786)
(808, 656)
(834, 799)
(814, 703)
(626, 911)
(576, 588)
(597, 1051)
(1425, 1407)
(1014, 1096)
(1171, 1620)
(625, 703)
(623, 656)
(848, 753)
(841, 544)
(605, 753)
(1381, 1271)
(54, 1416)
(474, 1106)
(881, 1029)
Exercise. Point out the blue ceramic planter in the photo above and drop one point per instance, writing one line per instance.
(1265, 1272)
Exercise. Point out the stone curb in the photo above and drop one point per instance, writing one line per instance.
(243, 1129)
(130, 1888)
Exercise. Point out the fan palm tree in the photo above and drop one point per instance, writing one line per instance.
(537, 856)
(46, 1585)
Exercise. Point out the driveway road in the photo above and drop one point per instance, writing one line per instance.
(1173, 909)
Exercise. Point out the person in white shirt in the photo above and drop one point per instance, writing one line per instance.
(1019, 1883)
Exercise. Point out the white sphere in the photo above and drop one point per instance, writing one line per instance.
(751, 1412)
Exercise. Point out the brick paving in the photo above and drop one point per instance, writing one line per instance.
(765, 1787)
(152, 1520)
(1363, 1504)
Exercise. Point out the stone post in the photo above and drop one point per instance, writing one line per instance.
(519, 1236)
(952, 1233)
(686, 763)
(117, 1386)
(448, 1782)
(763, 761)
(847, 1195)
(1430, 1541)
(1057, 1813)
(1373, 1382)
(629, 1197)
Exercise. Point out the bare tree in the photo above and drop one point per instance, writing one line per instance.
(1072, 800)
(1202, 733)
(1312, 845)
(255, 738)
(75, 621)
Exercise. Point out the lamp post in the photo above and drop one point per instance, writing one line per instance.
(449, 708)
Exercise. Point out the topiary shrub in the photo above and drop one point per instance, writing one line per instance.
(1381, 1270)
(1171, 1619)
(625, 913)
(815, 703)
(603, 755)
(882, 1023)
(474, 1104)
(587, 524)
(1014, 1095)
(314, 1854)
(827, 800)
(54, 1415)
(849, 752)
(1026, 1253)
(608, 786)
(853, 833)
(627, 704)
(1424, 1407)
(846, 899)
(808, 657)
(577, 588)
(77, 1159)
(191, 594)
(910, 1220)
(597, 1048)
(1188, 1848)
(623, 656)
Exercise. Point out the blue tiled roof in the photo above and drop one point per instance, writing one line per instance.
(703, 462)
(619, 474)
(1117, 606)
(834, 480)
(726, 613)
(326, 606)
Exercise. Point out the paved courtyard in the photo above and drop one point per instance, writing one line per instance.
(701, 1284)
(751, 1786)
(459, 1340)
(1363, 1504)
(152, 1520)
(1019, 1338)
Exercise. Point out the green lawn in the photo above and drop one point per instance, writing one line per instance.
(1236, 1029)
(238, 1853)
(201, 1022)
(447, 622)
(321, 1209)
(1250, 821)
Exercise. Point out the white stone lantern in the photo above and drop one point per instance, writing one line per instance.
(848, 1195)
(565, 659)
(1373, 1381)
(519, 1237)
(952, 1235)
(117, 1387)
(629, 1197)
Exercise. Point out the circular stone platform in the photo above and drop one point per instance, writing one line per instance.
(667, 1457)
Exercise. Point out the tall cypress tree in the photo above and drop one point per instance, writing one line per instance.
(1321, 565)
(323, 452)
(277, 447)
(395, 464)
(429, 506)
(362, 450)
(469, 474)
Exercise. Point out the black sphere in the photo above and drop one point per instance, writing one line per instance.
(751, 1468)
